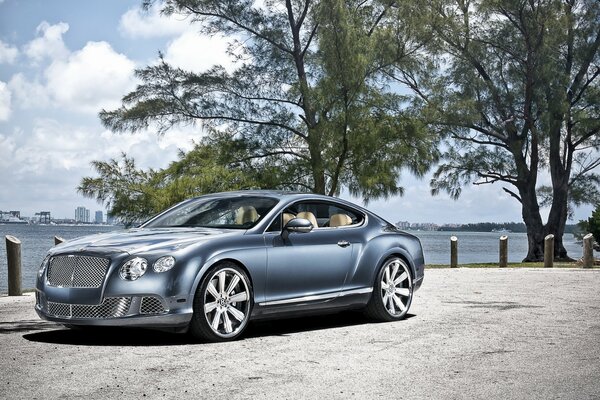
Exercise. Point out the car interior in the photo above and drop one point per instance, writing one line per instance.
(320, 215)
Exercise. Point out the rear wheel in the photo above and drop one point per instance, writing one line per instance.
(222, 304)
(392, 293)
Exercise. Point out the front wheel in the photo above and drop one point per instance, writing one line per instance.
(222, 304)
(392, 292)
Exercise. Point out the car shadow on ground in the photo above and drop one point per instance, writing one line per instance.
(104, 336)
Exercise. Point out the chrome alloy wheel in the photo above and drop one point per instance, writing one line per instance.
(396, 287)
(227, 302)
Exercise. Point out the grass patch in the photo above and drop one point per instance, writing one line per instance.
(510, 265)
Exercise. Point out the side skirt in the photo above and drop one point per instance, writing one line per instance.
(311, 305)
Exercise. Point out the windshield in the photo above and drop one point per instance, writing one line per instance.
(241, 212)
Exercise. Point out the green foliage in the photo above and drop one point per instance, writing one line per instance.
(133, 195)
(307, 108)
(593, 224)
(122, 187)
(501, 91)
(514, 88)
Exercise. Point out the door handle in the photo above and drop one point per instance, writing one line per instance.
(343, 243)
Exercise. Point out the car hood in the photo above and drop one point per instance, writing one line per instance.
(140, 240)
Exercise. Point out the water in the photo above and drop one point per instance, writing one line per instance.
(473, 247)
(482, 247)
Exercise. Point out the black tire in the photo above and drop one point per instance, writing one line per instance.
(379, 307)
(216, 302)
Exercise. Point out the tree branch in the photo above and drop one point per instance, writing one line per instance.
(239, 25)
(513, 194)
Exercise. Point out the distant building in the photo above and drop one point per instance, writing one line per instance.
(426, 226)
(99, 217)
(82, 214)
(403, 225)
(44, 217)
(11, 217)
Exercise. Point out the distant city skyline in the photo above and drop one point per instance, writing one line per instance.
(59, 68)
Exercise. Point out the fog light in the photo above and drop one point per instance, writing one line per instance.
(164, 264)
(133, 269)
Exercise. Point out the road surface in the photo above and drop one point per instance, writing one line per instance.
(471, 334)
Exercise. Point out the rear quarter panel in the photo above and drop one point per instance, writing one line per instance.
(381, 243)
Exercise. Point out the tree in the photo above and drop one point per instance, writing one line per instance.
(593, 225)
(133, 194)
(514, 86)
(308, 107)
(122, 187)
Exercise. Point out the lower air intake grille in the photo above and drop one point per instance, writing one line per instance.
(151, 305)
(111, 307)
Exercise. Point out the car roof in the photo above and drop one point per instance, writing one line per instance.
(271, 193)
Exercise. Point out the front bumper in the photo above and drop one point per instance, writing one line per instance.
(132, 311)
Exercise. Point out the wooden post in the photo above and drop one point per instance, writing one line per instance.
(503, 251)
(13, 254)
(453, 252)
(549, 251)
(58, 240)
(588, 251)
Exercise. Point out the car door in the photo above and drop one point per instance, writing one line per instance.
(307, 266)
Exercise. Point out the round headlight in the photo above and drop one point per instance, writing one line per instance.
(133, 269)
(164, 264)
(43, 266)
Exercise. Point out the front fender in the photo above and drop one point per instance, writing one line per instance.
(252, 258)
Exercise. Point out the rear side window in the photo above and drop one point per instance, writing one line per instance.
(327, 215)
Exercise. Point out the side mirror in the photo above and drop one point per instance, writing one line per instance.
(298, 225)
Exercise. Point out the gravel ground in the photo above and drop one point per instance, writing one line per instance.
(471, 334)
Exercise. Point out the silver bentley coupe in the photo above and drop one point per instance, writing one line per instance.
(211, 264)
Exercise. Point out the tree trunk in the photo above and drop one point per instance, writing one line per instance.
(313, 138)
(535, 228)
(316, 161)
(557, 219)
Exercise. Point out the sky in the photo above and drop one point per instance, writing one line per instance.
(61, 62)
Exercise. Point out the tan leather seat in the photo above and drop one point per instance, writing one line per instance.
(339, 220)
(309, 216)
(245, 214)
(286, 217)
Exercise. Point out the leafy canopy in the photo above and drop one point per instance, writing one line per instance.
(308, 106)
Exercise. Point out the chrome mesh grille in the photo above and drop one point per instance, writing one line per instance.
(77, 271)
(111, 307)
(151, 305)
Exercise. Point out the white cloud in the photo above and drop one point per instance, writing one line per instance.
(189, 49)
(137, 23)
(194, 52)
(7, 147)
(5, 101)
(86, 80)
(49, 160)
(8, 53)
(92, 78)
(29, 93)
(49, 43)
